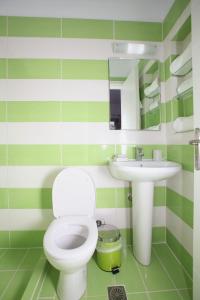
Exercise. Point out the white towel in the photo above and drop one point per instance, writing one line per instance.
(183, 63)
(153, 105)
(153, 89)
(183, 124)
(184, 86)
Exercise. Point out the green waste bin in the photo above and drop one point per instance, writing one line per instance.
(108, 250)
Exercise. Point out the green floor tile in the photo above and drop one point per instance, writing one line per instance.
(5, 277)
(31, 258)
(129, 275)
(17, 285)
(142, 296)
(173, 295)
(35, 282)
(155, 277)
(175, 270)
(98, 280)
(50, 282)
(12, 259)
(186, 294)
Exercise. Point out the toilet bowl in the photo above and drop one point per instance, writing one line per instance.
(71, 238)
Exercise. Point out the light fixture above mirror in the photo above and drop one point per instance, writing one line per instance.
(127, 48)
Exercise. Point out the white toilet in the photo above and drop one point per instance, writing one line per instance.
(71, 238)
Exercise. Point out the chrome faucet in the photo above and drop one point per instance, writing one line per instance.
(139, 153)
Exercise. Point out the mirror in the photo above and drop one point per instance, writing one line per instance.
(134, 94)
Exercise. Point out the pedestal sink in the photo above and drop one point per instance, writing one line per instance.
(143, 174)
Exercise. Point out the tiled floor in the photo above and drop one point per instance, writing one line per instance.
(16, 267)
(164, 279)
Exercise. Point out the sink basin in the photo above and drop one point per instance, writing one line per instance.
(142, 174)
(145, 170)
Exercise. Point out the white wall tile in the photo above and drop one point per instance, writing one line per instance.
(53, 90)
(183, 184)
(182, 232)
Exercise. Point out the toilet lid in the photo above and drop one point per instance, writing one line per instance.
(73, 193)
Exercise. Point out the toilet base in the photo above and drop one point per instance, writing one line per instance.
(72, 286)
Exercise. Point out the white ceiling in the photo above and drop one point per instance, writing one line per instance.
(143, 10)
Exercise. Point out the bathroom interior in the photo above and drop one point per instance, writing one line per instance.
(99, 121)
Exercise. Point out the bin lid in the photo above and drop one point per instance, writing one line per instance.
(108, 233)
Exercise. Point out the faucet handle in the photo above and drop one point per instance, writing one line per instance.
(139, 153)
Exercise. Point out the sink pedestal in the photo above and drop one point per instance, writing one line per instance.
(143, 174)
(142, 211)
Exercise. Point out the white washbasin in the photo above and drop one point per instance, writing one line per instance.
(145, 170)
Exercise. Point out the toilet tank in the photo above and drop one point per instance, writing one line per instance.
(73, 194)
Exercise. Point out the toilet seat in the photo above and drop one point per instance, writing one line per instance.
(72, 225)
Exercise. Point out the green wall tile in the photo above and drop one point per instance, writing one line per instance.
(38, 111)
(41, 198)
(158, 235)
(85, 111)
(34, 27)
(34, 155)
(3, 26)
(183, 31)
(112, 197)
(167, 63)
(2, 111)
(4, 198)
(180, 252)
(92, 29)
(181, 206)
(34, 68)
(4, 239)
(162, 72)
(23, 239)
(30, 198)
(183, 154)
(148, 150)
(141, 31)
(85, 69)
(176, 109)
(126, 234)
(100, 154)
(3, 155)
(50, 111)
(3, 68)
(188, 157)
(186, 105)
(87, 154)
(173, 14)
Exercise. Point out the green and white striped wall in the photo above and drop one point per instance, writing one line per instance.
(54, 113)
(179, 193)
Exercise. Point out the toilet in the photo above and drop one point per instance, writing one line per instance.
(70, 239)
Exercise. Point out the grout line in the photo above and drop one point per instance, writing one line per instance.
(13, 270)
(179, 262)
(157, 291)
(40, 289)
(2, 254)
(37, 283)
(20, 248)
(13, 276)
(166, 271)
(141, 277)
